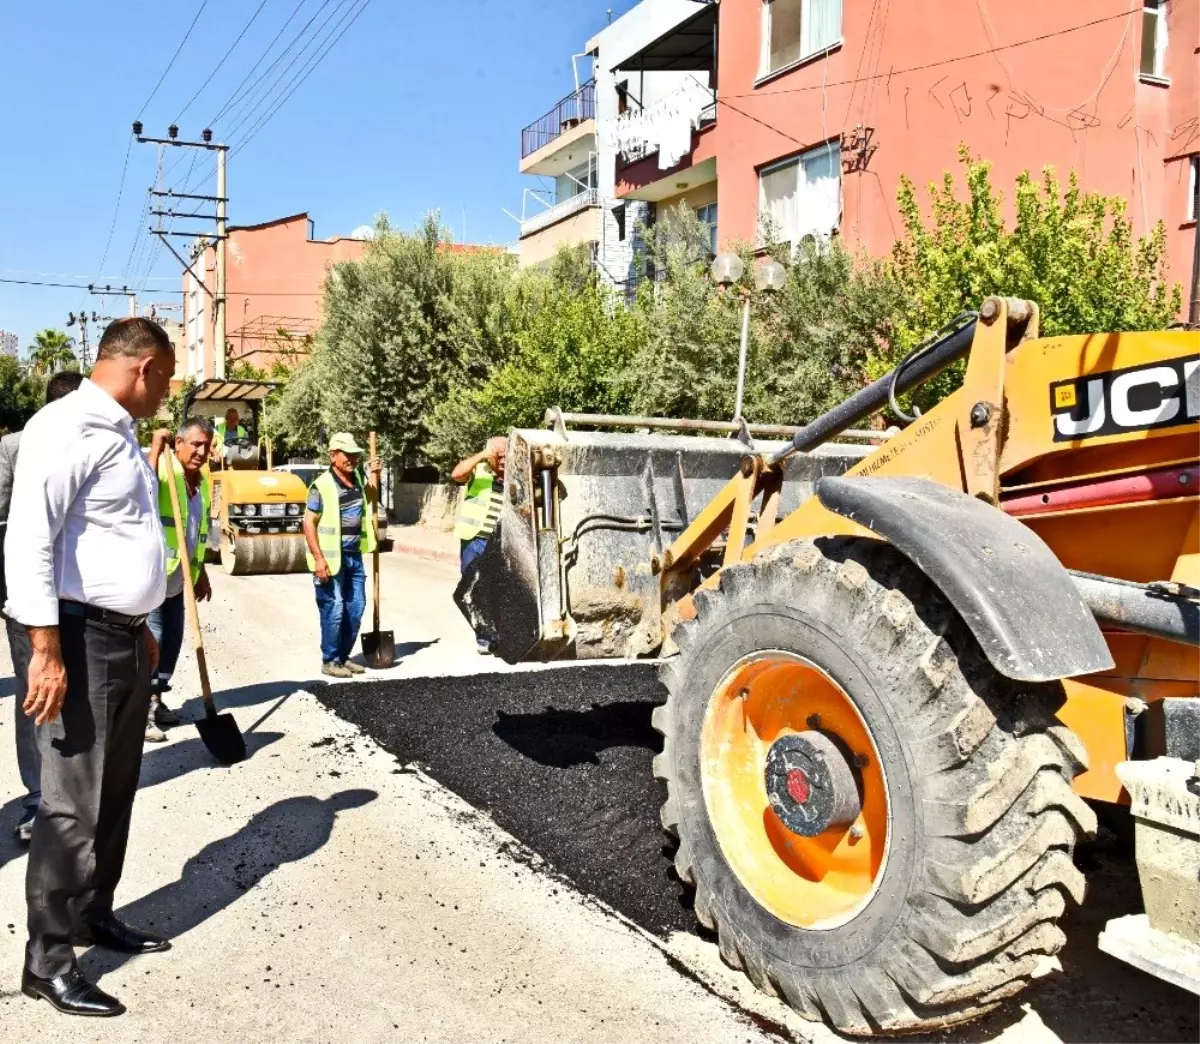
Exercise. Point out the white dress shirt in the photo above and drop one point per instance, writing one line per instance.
(83, 524)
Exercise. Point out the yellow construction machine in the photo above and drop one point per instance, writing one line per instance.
(894, 674)
(256, 514)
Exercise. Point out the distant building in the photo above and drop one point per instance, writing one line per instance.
(8, 343)
(275, 275)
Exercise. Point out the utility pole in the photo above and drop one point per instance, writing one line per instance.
(221, 200)
(121, 291)
(81, 320)
(219, 309)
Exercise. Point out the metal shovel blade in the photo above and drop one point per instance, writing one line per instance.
(224, 740)
(379, 649)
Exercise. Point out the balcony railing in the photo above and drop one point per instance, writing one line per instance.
(576, 107)
(565, 208)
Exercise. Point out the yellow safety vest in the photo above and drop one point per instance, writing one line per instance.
(480, 508)
(329, 525)
(239, 433)
(167, 516)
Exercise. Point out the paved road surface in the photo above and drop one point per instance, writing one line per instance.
(325, 890)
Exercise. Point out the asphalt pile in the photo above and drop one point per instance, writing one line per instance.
(560, 759)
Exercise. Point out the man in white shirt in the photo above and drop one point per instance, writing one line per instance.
(84, 566)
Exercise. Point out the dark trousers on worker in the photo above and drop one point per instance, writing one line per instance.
(340, 603)
(91, 757)
(29, 761)
(166, 624)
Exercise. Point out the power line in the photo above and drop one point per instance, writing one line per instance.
(146, 104)
(261, 59)
(937, 64)
(224, 58)
(239, 293)
(263, 121)
(238, 103)
(117, 209)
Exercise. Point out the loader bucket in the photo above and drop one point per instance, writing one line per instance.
(568, 573)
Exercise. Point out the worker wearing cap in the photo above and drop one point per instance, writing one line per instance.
(482, 474)
(339, 528)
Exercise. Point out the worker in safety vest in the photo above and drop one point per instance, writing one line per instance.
(483, 476)
(227, 429)
(339, 528)
(191, 446)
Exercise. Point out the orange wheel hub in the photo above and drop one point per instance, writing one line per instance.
(795, 790)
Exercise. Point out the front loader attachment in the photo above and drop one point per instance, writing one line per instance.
(574, 569)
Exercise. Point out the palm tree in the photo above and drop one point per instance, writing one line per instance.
(52, 351)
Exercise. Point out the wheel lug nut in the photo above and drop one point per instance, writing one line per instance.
(861, 761)
(856, 832)
(744, 694)
(814, 721)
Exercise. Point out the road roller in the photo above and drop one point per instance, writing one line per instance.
(256, 512)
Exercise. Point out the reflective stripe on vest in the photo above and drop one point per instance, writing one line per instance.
(480, 506)
(167, 516)
(329, 525)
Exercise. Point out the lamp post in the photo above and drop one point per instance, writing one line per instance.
(769, 278)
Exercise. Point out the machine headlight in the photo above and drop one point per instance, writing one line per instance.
(235, 509)
(250, 509)
(293, 509)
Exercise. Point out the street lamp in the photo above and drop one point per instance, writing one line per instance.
(769, 278)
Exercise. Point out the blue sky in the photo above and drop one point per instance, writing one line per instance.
(419, 106)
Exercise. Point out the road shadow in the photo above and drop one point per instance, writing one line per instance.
(403, 651)
(246, 696)
(161, 764)
(565, 738)
(224, 870)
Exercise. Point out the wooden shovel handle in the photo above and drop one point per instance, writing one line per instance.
(374, 495)
(189, 593)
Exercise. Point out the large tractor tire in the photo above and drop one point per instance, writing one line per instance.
(877, 824)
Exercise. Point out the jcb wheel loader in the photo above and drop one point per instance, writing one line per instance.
(893, 676)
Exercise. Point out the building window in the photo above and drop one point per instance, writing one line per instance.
(801, 196)
(1154, 39)
(708, 217)
(794, 29)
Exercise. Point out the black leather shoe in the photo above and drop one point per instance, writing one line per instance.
(116, 935)
(71, 994)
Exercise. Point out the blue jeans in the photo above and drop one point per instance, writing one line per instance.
(166, 624)
(340, 601)
(471, 550)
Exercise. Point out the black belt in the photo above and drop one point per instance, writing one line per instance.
(108, 616)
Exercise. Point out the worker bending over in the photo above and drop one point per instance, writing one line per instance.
(483, 476)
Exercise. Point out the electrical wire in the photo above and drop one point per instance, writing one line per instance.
(146, 104)
(269, 99)
(116, 209)
(238, 106)
(263, 121)
(224, 59)
(261, 58)
(240, 293)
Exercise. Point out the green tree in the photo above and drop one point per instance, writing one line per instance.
(401, 327)
(22, 393)
(51, 351)
(572, 352)
(1073, 252)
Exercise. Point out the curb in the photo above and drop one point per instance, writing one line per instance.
(430, 553)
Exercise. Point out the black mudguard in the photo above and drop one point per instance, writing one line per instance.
(1001, 577)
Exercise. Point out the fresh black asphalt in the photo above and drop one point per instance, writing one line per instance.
(560, 759)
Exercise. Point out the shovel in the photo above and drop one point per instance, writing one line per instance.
(219, 732)
(379, 647)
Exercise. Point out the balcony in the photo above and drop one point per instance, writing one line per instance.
(568, 123)
(560, 211)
